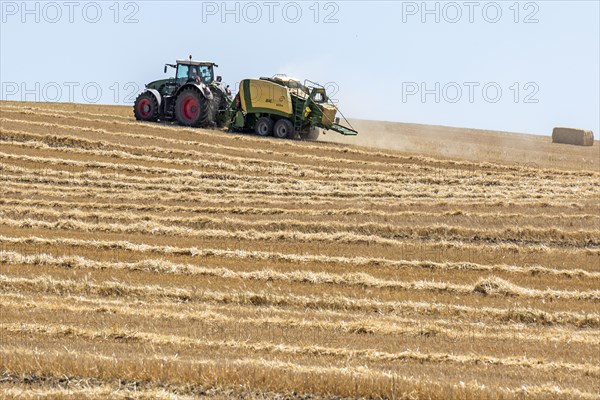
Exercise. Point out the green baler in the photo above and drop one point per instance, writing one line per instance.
(285, 108)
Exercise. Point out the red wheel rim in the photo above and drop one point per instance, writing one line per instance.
(190, 108)
(144, 108)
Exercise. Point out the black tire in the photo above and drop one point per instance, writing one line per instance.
(192, 109)
(264, 126)
(284, 129)
(221, 104)
(145, 107)
(216, 106)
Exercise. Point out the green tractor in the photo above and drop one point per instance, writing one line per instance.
(285, 108)
(193, 97)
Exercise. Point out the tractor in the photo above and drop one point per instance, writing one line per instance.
(193, 97)
(285, 108)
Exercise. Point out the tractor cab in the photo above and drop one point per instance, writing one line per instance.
(193, 71)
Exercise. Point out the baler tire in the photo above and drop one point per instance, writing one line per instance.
(284, 129)
(264, 126)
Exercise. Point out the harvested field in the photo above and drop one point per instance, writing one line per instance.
(154, 261)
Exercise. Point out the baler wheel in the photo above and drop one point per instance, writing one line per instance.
(284, 129)
(264, 126)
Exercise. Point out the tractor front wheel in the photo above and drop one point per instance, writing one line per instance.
(264, 126)
(145, 107)
(283, 129)
(191, 108)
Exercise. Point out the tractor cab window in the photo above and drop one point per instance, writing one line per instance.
(187, 73)
(182, 73)
(206, 73)
(191, 72)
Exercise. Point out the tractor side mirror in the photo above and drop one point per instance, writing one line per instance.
(219, 79)
(165, 69)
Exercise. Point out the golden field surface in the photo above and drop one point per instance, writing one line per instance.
(153, 261)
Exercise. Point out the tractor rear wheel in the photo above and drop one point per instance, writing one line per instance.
(192, 109)
(145, 107)
(220, 107)
(283, 129)
(264, 126)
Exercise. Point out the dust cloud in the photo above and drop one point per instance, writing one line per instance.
(470, 144)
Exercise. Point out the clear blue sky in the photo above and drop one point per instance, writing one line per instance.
(385, 60)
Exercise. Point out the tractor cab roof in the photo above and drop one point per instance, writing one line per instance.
(193, 62)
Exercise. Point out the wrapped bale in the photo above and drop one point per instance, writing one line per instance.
(579, 137)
